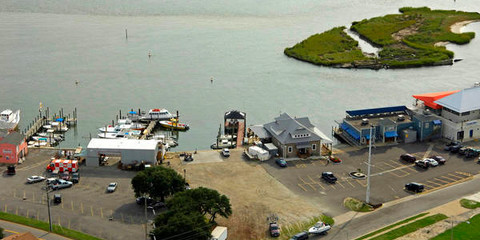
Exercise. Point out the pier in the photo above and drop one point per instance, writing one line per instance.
(149, 129)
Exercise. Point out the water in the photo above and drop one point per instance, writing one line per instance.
(45, 46)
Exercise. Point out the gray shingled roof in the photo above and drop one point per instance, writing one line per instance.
(285, 127)
(260, 131)
(463, 101)
(14, 138)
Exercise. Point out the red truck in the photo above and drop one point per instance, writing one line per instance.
(62, 165)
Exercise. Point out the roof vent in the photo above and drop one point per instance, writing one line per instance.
(364, 121)
(426, 112)
(401, 117)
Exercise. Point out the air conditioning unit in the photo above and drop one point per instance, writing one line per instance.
(401, 117)
(364, 121)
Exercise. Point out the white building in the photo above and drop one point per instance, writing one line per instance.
(461, 115)
(131, 151)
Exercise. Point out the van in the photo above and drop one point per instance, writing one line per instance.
(11, 170)
(300, 236)
(414, 187)
(219, 233)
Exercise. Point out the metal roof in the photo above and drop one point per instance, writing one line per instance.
(354, 113)
(285, 129)
(463, 101)
(124, 143)
(14, 138)
(260, 131)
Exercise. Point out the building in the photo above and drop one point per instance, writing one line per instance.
(13, 147)
(131, 151)
(460, 114)
(293, 137)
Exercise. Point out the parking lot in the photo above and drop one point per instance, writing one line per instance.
(86, 206)
(389, 174)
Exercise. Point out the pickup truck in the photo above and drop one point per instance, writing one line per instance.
(329, 177)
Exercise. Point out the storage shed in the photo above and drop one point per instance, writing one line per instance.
(131, 151)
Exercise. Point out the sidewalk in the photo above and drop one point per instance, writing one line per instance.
(14, 228)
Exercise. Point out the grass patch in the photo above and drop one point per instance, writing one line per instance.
(290, 230)
(407, 40)
(357, 205)
(463, 231)
(470, 204)
(329, 48)
(44, 226)
(392, 226)
(411, 227)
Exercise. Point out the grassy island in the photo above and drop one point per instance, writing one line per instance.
(408, 39)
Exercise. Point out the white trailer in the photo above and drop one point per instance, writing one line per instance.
(219, 233)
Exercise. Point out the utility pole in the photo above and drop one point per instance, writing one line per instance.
(367, 200)
(48, 206)
(146, 219)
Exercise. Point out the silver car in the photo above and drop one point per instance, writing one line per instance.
(34, 179)
(112, 187)
(61, 184)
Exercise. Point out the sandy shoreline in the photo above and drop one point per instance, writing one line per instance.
(457, 27)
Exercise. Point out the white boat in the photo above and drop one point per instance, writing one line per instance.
(157, 114)
(224, 143)
(9, 119)
(59, 127)
(319, 228)
(112, 135)
(110, 129)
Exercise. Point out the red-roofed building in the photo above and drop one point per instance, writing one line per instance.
(430, 98)
(12, 147)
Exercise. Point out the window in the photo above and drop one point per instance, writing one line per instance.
(290, 149)
(314, 146)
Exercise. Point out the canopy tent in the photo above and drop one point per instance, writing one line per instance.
(430, 98)
(59, 119)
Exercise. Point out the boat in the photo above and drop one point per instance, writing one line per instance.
(9, 119)
(157, 114)
(111, 135)
(110, 129)
(174, 124)
(224, 143)
(319, 228)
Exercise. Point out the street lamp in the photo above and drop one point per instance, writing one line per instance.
(185, 174)
(48, 206)
(367, 200)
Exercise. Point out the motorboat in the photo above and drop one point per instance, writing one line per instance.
(174, 124)
(319, 228)
(110, 129)
(9, 119)
(157, 114)
(223, 144)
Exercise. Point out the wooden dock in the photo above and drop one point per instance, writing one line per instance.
(241, 131)
(149, 129)
(37, 125)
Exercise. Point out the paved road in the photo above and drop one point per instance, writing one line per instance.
(359, 226)
(13, 228)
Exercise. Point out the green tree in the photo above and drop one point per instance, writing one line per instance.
(1, 233)
(158, 182)
(202, 200)
(174, 225)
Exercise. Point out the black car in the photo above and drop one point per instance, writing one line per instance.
(471, 153)
(414, 187)
(329, 177)
(274, 229)
(141, 200)
(439, 159)
(157, 205)
(300, 236)
(455, 148)
(57, 198)
(11, 170)
(75, 177)
(408, 158)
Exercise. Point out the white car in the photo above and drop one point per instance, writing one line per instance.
(319, 228)
(431, 162)
(112, 187)
(34, 179)
(61, 184)
(226, 152)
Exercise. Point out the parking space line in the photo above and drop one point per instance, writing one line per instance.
(428, 186)
(33, 196)
(361, 183)
(14, 193)
(16, 211)
(306, 183)
(451, 179)
(81, 207)
(24, 194)
(101, 212)
(435, 183)
(62, 204)
(441, 180)
(69, 224)
(71, 201)
(348, 181)
(331, 185)
(300, 185)
(428, 151)
(38, 214)
(456, 176)
(301, 165)
(6, 208)
(28, 212)
(395, 163)
(464, 173)
(91, 210)
(315, 182)
(59, 223)
(340, 184)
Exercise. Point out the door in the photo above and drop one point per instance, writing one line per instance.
(471, 133)
(460, 135)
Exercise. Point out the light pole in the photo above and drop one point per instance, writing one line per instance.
(185, 174)
(48, 206)
(367, 200)
(146, 219)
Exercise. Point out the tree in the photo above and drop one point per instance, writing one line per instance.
(158, 182)
(174, 225)
(1, 233)
(202, 200)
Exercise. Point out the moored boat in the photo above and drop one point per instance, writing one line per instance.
(9, 119)
(157, 114)
(174, 124)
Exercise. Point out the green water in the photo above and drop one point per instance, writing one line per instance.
(46, 46)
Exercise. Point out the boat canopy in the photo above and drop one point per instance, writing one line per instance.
(429, 98)
(59, 119)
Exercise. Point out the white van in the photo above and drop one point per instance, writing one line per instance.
(219, 233)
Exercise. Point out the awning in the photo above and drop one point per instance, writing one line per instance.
(353, 133)
(367, 137)
(59, 119)
(437, 122)
(430, 98)
(303, 145)
(391, 134)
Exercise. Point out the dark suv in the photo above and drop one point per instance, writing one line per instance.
(11, 170)
(75, 177)
(329, 177)
(414, 187)
(408, 158)
(274, 229)
(300, 236)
